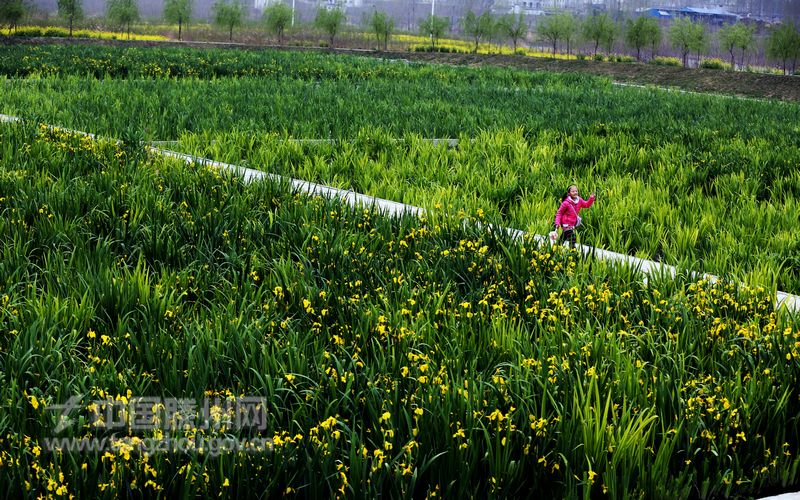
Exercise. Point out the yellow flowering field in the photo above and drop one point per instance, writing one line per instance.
(60, 31)
(170, 330)
(679, 179)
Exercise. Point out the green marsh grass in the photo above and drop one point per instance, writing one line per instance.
(514, 181)
(395, 356)
(679, 178)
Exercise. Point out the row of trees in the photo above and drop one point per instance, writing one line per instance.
(122, 13)
(278, 17)
(11, 12)
(684, 35)
(784, 45)
(600, 31)
(227, 14)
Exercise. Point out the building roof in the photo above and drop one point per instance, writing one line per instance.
(697, 11)
(709, 12)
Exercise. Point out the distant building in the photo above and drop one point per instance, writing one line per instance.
(527, 6)
(579, 7)
(657, 12)
(710, 16)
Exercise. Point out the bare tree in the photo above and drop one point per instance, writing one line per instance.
(514, 27)
(278, 17)
(70, 10)
(596, 28)
(478, 27)
(687, 36)
(783, 44)
(435, 27)
(228, 15)
(178, 12)
(382, 25)
(11, 11)
(549, 30)
(642, 32)
(735, 36)
(123, 13)
(330, 21)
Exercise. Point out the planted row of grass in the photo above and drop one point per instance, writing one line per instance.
(398, 357)
(663, 203)
(163, 92)
(680, 179)
(58, 31)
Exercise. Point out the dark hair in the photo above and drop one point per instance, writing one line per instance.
(566, 193)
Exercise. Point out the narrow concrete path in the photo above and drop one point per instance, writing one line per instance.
(352, 198)
(451, 143)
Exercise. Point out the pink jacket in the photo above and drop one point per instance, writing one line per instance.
(568, 211)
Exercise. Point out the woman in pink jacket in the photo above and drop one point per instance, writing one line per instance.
(567, 216)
